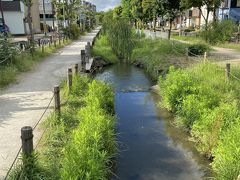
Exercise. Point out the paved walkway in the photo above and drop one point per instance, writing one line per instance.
(22, 104)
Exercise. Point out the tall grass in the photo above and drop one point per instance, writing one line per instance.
(103, 49)
(24, 62)
(79, 144)
(158, 55)
(208, 107)
(120, 35)
(92, 145)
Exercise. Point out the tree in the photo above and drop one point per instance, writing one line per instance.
(171, 10)
(137, 12)
(28, 3)
(126, 6)
(150, 8)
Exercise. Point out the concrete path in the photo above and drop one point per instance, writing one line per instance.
(23, 104)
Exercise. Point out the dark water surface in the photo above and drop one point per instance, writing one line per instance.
(150, 147)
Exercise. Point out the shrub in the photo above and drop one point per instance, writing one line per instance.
(158, 55)
(227, 155)
(74, 31)
(89, 151)
(209, 108)
(103, 49)
(198, 49)
(120, 35)
(208, 130)
(7, 49)
(219, 32)
(174, 88)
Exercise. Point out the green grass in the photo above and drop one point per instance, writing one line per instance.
(80, 144)
(159, 55)
(190, 39)
(24, 62)
(208, 107)
(103, 49)
(193, 40)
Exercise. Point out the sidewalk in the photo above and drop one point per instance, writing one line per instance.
(23, 104)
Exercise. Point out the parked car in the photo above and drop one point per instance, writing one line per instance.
(4, 29)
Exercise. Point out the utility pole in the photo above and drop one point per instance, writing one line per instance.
(1, 9)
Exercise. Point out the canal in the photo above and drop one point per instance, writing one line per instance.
(150, 147)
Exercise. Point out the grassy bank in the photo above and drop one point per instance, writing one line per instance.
(103, 49)
(208, 107)
(80, 144)
(157, 56)
(200, 40)
(24, 62)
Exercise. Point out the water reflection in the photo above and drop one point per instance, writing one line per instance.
(150, 148)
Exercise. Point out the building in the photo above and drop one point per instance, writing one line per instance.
(47, 10)
(15, 14)
(230, 9)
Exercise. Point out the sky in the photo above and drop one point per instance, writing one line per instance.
(104, 5)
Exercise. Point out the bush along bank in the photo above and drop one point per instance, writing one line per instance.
(103, 50)
(80, 143)
(156, 56)
(207, 105)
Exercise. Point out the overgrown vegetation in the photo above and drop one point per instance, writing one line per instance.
(198, 49)
(208, 107)
(219, 32)
(103, 49)
(157, 56)
(80, 144)
(21, 63)
(120, 35)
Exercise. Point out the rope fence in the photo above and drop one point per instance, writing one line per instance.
(27, 142)
(24, 46)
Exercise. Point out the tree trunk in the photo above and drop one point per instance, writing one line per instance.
(29, 20)
(170, 30)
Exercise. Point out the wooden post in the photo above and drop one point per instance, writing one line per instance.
(76, 69)
(27, 140)
(205, 56)
(228, 68)
(42, 48)
(69, 79)
(39, 43)
(83, 60)
(187, 58)
(59, 40)
(57, 106)
(55, 43)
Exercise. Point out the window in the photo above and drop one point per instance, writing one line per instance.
(238, 3)
(235, 4)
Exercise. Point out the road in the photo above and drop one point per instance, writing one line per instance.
(22, 104)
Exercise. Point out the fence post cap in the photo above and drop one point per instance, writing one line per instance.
(70, 70)
(26, 132)
(56, 88)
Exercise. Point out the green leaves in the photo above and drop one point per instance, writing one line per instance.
(208, 107)
(92, 145)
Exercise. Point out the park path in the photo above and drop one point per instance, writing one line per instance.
(22, 104)
(218, 55)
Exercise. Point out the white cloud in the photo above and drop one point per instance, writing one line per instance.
(104, 5)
